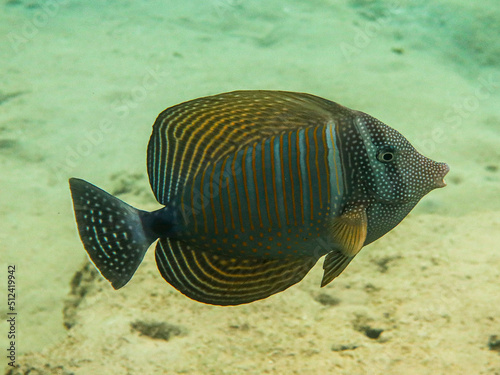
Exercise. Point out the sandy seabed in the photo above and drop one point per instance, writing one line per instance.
(82, 83)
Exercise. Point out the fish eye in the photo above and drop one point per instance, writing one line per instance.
(385, 156)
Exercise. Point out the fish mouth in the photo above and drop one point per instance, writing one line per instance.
(440, 182)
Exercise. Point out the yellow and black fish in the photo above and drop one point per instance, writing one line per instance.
(256, 187)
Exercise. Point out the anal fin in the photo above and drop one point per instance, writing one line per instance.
(222, 280)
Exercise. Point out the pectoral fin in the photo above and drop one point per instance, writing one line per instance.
(349, 232)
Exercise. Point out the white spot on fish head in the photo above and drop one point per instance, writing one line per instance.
(395, 170)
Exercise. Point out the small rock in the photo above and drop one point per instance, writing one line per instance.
(363, 324)
(327, 300)
(342, 347)
(494, 343)
(373, 333)
(157, 330)
(242, 327)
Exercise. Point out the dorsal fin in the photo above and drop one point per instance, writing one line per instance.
(223, 280)
(189, 136)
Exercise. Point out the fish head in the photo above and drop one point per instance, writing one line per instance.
(387, 176)
(392, 170)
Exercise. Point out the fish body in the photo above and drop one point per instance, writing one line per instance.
(270, 198)
(256, 187)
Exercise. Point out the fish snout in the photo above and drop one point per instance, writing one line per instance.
(442, 171)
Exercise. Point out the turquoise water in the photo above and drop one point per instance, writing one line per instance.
(82, 83)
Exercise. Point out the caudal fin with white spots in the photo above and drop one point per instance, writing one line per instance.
(111, 231)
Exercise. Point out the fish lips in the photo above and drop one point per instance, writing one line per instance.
(443, 171)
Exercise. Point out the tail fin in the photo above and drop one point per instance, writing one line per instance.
(112, 232)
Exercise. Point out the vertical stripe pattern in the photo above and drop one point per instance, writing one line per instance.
(189, 135)
(282, 182)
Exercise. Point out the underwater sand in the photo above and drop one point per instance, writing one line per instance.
(82, 83)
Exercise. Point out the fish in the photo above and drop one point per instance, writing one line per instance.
(255, 187)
